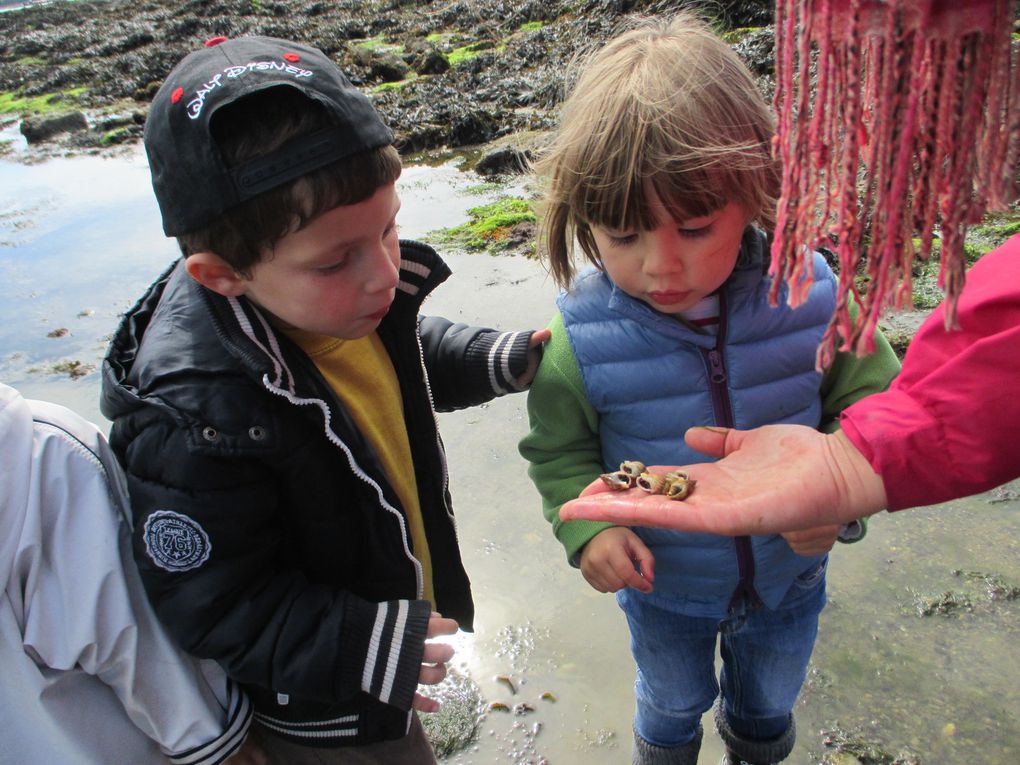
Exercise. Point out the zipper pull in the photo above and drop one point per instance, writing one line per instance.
(717, 372)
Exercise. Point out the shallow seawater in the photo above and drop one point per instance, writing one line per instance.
(79, 241)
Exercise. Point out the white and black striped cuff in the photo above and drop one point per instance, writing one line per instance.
(395, 651)
(506, 354)
(238, 720)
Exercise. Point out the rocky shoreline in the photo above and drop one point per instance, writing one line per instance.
(480, 77)
(79, 75)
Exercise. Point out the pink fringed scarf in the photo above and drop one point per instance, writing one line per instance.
(895, 116)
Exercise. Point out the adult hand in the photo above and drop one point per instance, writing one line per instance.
(771, 479)
(433, 665)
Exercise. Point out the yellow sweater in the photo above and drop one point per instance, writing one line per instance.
(362, 375)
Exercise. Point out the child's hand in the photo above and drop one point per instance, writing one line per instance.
(816, 541)
(433, 665)
(534, 356)
(617, 558)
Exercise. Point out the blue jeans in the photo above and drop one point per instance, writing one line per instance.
(765, 656)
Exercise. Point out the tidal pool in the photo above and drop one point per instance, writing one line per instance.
(80, 239)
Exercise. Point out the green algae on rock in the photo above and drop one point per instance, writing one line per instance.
(493, 228)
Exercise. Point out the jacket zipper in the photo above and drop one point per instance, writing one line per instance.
(435, 423)
(715, 360)
(331, 402)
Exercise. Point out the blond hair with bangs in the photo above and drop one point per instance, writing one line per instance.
(668, 103)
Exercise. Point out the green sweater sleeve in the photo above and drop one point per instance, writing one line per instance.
(850, 379)
(562, 447)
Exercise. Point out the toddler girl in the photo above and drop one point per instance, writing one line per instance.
(663, 173)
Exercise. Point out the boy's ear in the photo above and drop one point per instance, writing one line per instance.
(214, 273)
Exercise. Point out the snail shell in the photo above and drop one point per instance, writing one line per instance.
(617, 481)
(676, 484)
(679, 488)
(632, 468)
(652, 483)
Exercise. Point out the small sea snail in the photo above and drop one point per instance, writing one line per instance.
(633, 468)
(679, 488)
(676, 484)
(653, 483)
(617, 481)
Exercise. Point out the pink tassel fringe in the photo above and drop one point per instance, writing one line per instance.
(895, 117)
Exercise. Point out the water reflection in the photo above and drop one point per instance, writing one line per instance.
(80, 239)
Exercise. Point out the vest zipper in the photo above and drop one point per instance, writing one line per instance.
(715, 361)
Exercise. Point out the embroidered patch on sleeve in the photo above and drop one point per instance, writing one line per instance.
(175, 542)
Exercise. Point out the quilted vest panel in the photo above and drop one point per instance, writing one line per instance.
(647, 376)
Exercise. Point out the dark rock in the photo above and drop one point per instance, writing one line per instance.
(125, 38)
(388, 69)
(757, 49)
(512, 155)
(374, 67)
(503, 160)
(39, 129)
(472, 127)
(478, 64)
(115, 121)
(146, 92)
(746, 13)
(427, 59)
(122, 134)
(421, 138)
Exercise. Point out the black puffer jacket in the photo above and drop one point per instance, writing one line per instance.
(267, 534)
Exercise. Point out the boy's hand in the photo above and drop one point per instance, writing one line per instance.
(617, 558)
(534, 356)
(433, 665)
(816, 541)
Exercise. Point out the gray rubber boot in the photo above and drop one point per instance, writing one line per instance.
(650, 754)
(748, 751)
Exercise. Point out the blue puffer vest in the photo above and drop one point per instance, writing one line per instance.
(650, 378)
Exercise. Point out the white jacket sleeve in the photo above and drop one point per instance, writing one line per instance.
(77, 596)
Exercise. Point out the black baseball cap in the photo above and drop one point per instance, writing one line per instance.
(192, 183)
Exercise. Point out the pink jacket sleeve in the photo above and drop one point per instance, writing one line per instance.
(947, 427)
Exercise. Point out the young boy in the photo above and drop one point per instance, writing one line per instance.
(273, 397)
(90, 675)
